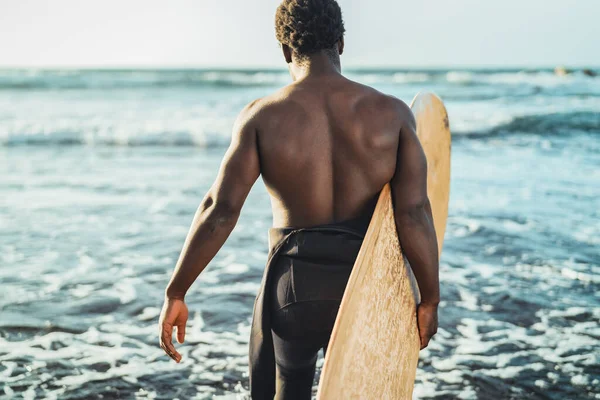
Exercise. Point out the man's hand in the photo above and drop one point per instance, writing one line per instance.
(427, 320)
(174, 313)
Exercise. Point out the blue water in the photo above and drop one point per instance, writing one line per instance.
(101, 172)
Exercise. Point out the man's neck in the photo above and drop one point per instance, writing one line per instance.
(316, 65)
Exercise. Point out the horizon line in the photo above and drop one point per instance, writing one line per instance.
(283, 68)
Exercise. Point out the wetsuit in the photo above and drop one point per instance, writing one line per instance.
(295, 310)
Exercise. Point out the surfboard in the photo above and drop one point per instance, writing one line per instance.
(373, 350)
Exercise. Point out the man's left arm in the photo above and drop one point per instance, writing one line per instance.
(215, 218)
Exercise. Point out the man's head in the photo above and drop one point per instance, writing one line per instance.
(308, 27)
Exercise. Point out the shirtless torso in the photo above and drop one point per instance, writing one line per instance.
(325, 147)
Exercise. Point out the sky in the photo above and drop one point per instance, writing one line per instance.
(240, 33)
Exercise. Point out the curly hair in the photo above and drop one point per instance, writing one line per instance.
(308, 26)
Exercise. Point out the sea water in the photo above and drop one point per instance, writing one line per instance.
(101, 173)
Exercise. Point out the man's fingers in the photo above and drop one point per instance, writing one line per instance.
(424, 342)
(426, 338)
(167, 329)
(166, 342)
(181, 333)
(171, 352)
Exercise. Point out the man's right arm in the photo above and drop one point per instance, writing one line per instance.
(414, 222)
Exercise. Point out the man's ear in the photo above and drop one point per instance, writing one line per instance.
(341, 46)
(287, 53)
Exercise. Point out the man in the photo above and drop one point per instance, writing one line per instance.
(325, 146)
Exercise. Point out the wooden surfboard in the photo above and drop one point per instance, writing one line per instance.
(374, 347)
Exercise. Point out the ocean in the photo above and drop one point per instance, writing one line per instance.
(101, 172)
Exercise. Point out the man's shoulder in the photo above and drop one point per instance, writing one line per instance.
(388, 102)
(398, 104)
(271, 105)
(269, 101)
(253, 111)
(257, 114)
(372, 97)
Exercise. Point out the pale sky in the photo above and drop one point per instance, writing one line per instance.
(240, 33)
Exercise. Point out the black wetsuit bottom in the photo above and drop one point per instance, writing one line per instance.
(307, 286)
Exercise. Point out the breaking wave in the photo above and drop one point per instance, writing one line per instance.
(190, 134)
(19, 79)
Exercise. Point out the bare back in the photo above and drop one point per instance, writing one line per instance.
(327, 146)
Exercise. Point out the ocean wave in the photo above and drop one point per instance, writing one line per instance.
(18, 79)
(107, 79)
(391, 77)
(217, 134)
(545, 125)
(140, 139)
(542, 79)
(124, 129)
